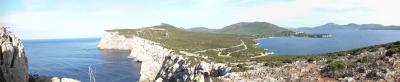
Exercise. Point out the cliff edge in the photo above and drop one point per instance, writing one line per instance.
(13, 63)
(111, 40)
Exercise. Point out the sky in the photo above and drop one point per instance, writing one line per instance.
(53, 19)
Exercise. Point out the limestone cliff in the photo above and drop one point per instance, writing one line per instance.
(111, 40)
(13, 63)
(157, 62)
(150, 55)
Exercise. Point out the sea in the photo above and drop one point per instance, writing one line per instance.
(71, 58)
(341, 40)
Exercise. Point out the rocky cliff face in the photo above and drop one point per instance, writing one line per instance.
(159, 63)
(13, 63)
(150, 55)
(111, 40)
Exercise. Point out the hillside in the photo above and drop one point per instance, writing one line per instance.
(247, 28)
(250, 28)
(202, 29)
(212, 45)
(353, 26)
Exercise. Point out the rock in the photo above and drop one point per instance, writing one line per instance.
(13, 62)
(69, 80)
(112, 40)
(152, 57)
(55, 79)
(220, 69)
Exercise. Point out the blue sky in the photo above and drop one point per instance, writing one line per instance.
(46, 19)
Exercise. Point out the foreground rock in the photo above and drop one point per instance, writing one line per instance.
(13, 63)
(373, 64)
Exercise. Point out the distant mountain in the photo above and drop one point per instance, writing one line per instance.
(249, 28)
(333, 26)
(245, 28)
(201, 29)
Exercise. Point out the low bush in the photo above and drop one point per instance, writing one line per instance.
(338, 65)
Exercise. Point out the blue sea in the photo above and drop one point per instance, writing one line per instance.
(341, 40)
(71, 58)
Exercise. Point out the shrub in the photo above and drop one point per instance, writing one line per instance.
(338, 65)
(273, 64)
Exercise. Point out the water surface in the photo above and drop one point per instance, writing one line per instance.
(71, 58)
(341, 40)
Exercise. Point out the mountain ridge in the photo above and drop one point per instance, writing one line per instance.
(352, 26)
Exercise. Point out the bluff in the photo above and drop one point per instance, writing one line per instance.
(160, 61)
(13, 62)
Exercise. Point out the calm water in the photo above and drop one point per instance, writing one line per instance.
(71, 58)
(341, 40)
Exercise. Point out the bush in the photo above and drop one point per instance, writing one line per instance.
(338, 65)
(37, 78)
(239, 68)
(273, 64)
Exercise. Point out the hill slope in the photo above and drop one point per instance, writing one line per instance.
(202, 29)
(213, 45)
(246, 28)
(250, 28)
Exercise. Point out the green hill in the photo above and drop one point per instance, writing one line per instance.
(217, 47)
(251, 28)
(202, 29)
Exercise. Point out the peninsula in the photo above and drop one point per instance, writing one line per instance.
(168, 53)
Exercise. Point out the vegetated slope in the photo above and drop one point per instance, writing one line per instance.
(202, 29)
(375, 63)
(216, 46)
(250, 28)
(246, 28)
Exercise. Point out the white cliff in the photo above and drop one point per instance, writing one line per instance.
(111, 40)
(158, 63)
(151, 56)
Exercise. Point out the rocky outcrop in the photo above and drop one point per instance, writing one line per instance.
(13, 63)
(158, 63)
(112, 40)
(370, 65)
(151, 56)
(161, 64)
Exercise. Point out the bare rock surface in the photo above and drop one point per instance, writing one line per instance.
(13, 63)
(112, 40)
